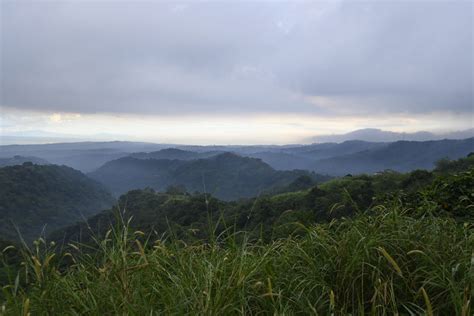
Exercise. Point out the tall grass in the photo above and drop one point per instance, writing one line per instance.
(384, 264)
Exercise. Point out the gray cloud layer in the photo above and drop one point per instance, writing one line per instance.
(239, 57)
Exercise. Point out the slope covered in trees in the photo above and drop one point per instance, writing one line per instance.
(389, 243)
(226, 176)
(400, 156)
(19, 160)
(352, 156)
(174, 153)
(37, 197)
(444, 192)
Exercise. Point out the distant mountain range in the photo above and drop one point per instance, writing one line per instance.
(189, 214)
(231, 176)
(84, 156)
(353, 156)
(35, 194)
(227, 176)
(45, 137)
(367, 134)
(305, 156)
(174, 153)
(19, 160)
(378, 135)
(400, 156)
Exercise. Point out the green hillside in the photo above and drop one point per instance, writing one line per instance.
(226, 176)
(34, 198)
(272, 216)
(381, 245)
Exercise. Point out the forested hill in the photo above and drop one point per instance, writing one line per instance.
(400, 156)
(34, 197)
(18, 160)
(446, 191)
(226, 176)
(174, 153)
(335, 159)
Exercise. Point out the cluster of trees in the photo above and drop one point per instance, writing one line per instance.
(403, 242)
(226, 176)
(37, 198)
(274, 215)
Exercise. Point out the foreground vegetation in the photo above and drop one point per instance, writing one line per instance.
(385, 263)
(392, 244)
(446, 191)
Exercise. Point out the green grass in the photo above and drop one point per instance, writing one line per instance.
(380, 264)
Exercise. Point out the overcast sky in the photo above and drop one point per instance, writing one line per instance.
(235, 72)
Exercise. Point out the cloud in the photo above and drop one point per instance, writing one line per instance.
(62, 118)
(238, 57)
(56, 118)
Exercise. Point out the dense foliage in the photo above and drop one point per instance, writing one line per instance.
(421, 191)
(34, 198)
(385, 244)
(384, 263)
(226, 176)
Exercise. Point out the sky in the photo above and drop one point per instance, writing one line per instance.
(228, 72)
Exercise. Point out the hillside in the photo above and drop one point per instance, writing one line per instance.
(354, 156)
(178, 253)
(19, 160)
(329, 150)
(278, 157)
(283, 160)
(174, 153)
(83, 156)
(37, 197)
(378, 135)
(226, 176)
(400, 156)
(269, 214)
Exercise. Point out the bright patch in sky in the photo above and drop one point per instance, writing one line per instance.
(258, 129)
